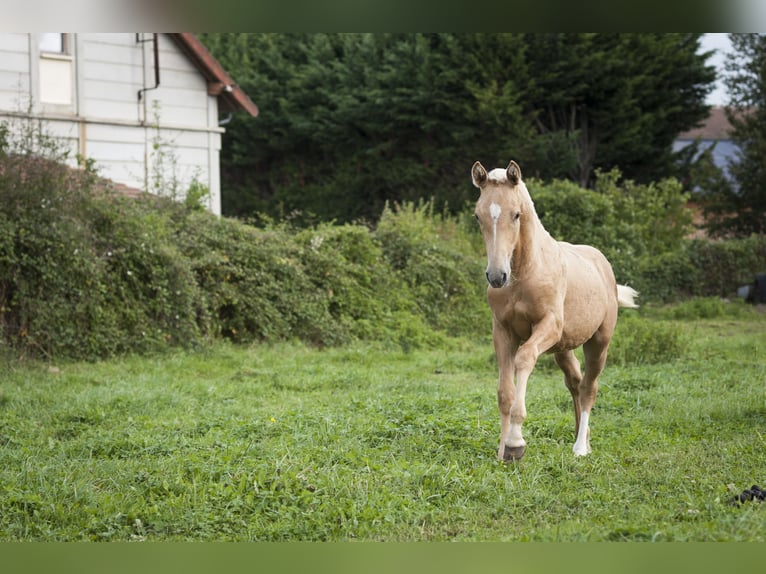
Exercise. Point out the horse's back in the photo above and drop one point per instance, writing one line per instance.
(586, 263)
(590, 303)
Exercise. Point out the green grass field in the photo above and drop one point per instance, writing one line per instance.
(372, 443)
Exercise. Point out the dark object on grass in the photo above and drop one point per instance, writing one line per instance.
(755, 492)
(754, 293)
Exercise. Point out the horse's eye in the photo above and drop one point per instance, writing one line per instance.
(476, 216)
(516, 217)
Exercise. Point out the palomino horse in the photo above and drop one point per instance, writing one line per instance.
(546, 296)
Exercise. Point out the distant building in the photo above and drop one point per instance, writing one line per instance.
(715, 130)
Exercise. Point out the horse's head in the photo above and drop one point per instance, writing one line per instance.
(500, 212)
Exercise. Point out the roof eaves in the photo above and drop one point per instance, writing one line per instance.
(714, 127)
(220, 83)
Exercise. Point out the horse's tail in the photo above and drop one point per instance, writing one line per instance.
(626, 297)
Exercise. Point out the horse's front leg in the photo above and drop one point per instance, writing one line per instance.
(504, 351)
(544, 335)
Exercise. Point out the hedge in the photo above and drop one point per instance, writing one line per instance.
(86, 273)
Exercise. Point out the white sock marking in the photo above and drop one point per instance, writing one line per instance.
(581, 447)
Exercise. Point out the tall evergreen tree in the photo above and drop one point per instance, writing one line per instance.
(350, 121)
(740, 209)
(618, 100)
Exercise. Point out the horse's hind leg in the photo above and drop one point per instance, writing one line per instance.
(569, 364)
(595, 358)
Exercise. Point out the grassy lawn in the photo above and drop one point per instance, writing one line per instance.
(290, 443)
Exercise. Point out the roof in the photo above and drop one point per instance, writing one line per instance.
(219, 82)
(715, 127)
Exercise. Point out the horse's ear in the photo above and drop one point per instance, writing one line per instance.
(478, 175)
(514, 173)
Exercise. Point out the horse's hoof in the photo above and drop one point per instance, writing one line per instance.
(513, 453)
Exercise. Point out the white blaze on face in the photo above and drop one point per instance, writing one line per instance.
(494, 213)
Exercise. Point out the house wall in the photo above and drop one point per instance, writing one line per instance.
(14, 72)
(159, 142)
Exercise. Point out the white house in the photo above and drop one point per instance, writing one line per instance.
(146, 107)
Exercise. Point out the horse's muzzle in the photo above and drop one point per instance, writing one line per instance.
(497, 278)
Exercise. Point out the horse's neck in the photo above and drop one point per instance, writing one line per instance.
(536, 247)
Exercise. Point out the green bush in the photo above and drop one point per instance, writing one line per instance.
(409, 282)
(705, 308)
(345, 265)
(86, 273)
(640, 341)
(577, 215)
(150, 296)
(666, 277)
(438, 261)
(723, 266)
(702, 268)
(643, 230)
(626, 221)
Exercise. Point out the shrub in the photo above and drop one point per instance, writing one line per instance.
(639, 341)
(346, 264)
(85, 273)
(666, 277)
(326, 285)
(624, 220)
(723, 266)
(254, 280)
(657, 213)
(88, 276)
(150, 298)
(642, 230)
(436, 258)
(706, 308)
(702, 268)
(577, 215)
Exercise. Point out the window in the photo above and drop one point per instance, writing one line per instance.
(53, 43)
(56, 71)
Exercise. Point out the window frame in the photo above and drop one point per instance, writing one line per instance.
(67, 56)
(66, 46)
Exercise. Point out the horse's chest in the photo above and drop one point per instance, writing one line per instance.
(515, 316)
(520, 327)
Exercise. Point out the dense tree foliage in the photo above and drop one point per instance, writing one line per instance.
(739, 207)
(351, 121)
(621, 99)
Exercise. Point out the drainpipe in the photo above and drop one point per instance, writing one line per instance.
(141, 40)
(156, 65)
